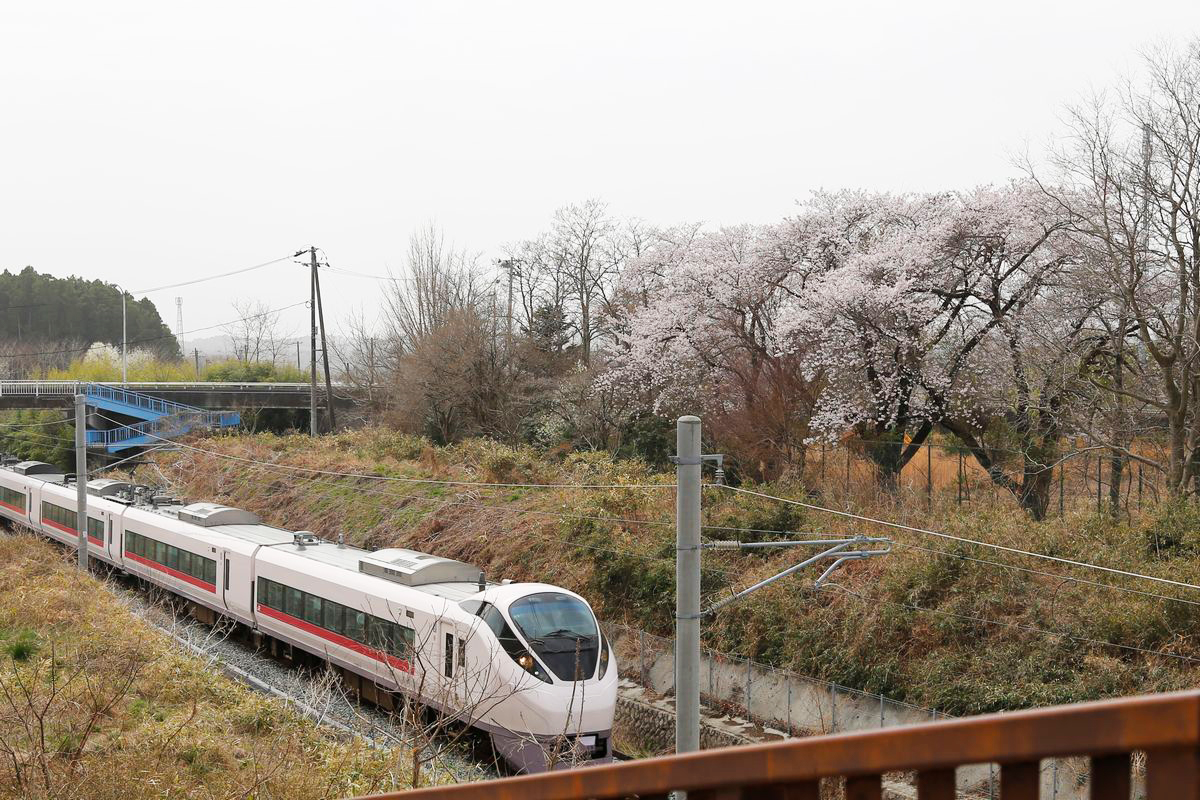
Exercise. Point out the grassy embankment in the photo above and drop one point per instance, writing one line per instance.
(95, 704)
(868, 634)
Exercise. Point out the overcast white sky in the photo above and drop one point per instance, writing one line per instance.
(144, 143)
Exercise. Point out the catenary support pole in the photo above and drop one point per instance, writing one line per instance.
(312, 340)
(687, 582)
(81, 477)
(325, 355)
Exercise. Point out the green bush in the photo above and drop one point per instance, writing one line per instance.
(22, 645)
(1174, 530)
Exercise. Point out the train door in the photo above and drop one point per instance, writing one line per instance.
(452, 664)
(224, 576)
(103, 531)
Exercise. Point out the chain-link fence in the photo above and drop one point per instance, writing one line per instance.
(774, 698)
(799, 705)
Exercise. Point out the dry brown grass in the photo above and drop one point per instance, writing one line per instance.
(96, 705)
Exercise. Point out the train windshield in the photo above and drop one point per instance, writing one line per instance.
(561, 630)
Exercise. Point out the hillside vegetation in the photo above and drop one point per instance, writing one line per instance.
(932, 623)
(97, 705)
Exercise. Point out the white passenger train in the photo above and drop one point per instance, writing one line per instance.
(524, 662)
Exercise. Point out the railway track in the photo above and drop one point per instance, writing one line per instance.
(318, 697)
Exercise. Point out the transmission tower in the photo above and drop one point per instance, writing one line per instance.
(179, 323)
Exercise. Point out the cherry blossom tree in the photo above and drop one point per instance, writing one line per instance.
(699, 333)
(920, 318)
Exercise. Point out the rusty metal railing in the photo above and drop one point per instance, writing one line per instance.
(1164, 727)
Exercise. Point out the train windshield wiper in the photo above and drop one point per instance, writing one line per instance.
(562, 633)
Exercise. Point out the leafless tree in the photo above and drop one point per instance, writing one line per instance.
(578, 243)
(256, 334)
(1134, 167)
(437, 283)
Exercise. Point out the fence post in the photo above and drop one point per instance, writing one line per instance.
(833, 708)
(642, 654)
(928, 476)
(749, 679)
(788, 679)
(1062, 472)
(960, 477)
(881, 711)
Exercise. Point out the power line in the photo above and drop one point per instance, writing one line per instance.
(35, 424)
(213, 277)
(1016, 625)
(963, 539)
(164, 336)
(393, 479)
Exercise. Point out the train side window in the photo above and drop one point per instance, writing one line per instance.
(160, 552)
(402, 640)
(210, 571)
(312, 609)
(172, 557)
(462, 654)
(295, 602)
(449, 666)
(226, 572)
(508, 640)
(185, 563)
(274, 596)
(356, 625)
(264, 592)
(379, 634)
(333, 616)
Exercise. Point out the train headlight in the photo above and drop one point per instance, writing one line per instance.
(528, 663)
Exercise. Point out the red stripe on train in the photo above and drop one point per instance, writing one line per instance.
(338, 639)
(174, 573)
(12, 507)
(71, 531)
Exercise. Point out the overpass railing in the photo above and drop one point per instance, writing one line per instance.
(1164, 730)
(166, 427)
(101, 391)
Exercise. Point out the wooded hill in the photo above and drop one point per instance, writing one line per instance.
(41, 313)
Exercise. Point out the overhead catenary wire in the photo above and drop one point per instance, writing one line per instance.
(330, 484)
(397, 479)
(963, 539)
(621, 520)
(1014, 625)
(1055, 575)
(64, 421)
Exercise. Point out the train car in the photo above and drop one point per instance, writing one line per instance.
(526, 663)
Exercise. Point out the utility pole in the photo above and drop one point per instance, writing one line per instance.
(196, 354)
(298, 354)
(508, 264)
(81, 478)
(124, 344)
(325, 355)
(312, 339)
(688, 548)
(687, 583)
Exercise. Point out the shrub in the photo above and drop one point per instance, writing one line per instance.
(22, 646)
